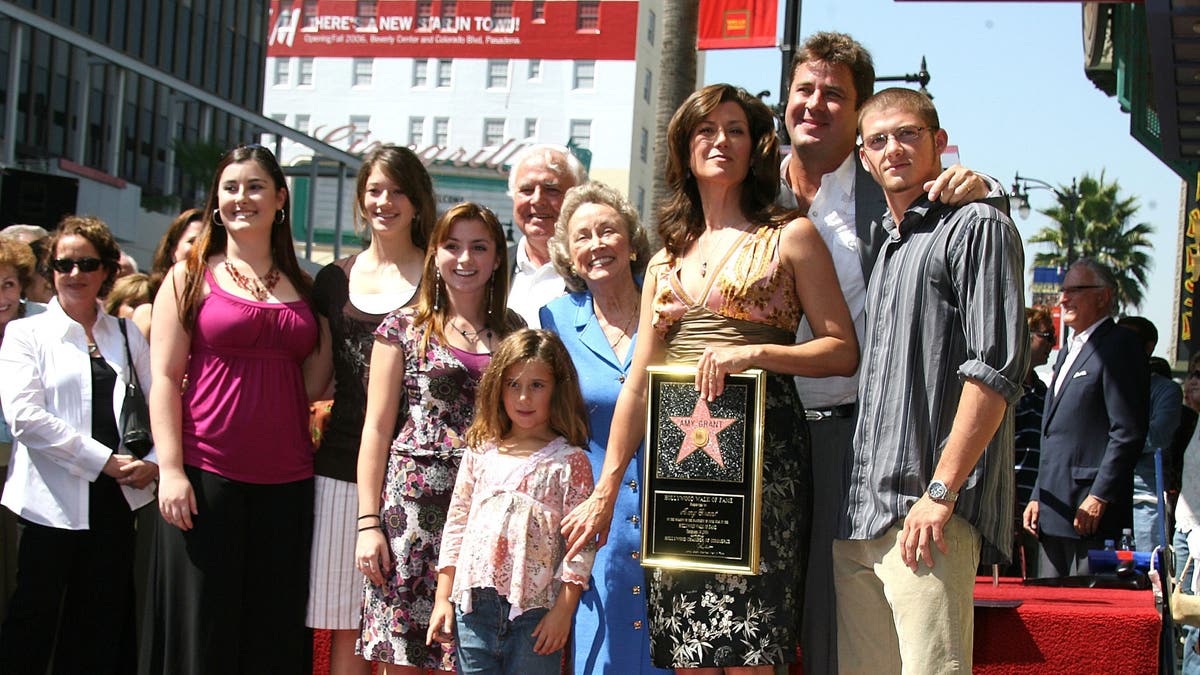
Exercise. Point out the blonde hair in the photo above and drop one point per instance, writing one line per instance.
(568, 414)
(131, 289)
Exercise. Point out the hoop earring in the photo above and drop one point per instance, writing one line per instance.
(437, 290)
(280, 215)
(217, 218)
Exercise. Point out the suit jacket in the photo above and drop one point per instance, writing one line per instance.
(1093, 431)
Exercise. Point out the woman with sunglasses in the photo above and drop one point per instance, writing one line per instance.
(71, 482)
(234, 321)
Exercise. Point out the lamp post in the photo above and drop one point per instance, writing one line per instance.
(1020, 198)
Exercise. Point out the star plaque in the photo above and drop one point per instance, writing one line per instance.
(700, 433)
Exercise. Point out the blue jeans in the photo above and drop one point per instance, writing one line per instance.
(1191, 660)
(488, 642)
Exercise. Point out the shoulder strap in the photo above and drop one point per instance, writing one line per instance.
(129, 355)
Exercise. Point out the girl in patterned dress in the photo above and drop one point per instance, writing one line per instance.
(505, 593)
(428, 359)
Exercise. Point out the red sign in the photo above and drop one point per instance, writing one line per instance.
(736, 24)
(563, 29)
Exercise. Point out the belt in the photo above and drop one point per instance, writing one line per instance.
(841, 411)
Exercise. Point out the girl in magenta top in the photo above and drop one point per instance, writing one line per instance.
(234, 341)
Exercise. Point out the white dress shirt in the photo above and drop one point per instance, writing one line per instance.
(1075, 346)
(833, 213)
(532, 287)
(46, 393)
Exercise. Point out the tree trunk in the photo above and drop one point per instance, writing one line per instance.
(676, 81)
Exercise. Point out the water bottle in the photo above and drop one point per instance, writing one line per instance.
(1127, 539)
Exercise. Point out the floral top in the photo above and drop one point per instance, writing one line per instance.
(502, 530)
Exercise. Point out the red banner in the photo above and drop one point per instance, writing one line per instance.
(736, 24)
(521, 29)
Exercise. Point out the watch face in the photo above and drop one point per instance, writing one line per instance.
(937, 490)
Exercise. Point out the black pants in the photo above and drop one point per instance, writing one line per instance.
(73, 604)
(230, 594)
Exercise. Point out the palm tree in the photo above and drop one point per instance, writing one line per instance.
(1096, 219)
(678, 80)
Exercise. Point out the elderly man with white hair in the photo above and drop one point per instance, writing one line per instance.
(541, 174)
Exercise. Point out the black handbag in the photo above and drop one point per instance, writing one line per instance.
(135, 413)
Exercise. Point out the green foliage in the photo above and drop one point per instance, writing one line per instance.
(1102, 229)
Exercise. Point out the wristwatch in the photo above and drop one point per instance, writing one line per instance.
(940, 492)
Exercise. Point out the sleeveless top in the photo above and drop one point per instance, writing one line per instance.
(245, 410)
(749, 299)
(352, 332)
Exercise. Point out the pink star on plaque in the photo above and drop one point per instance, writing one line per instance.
(700, 433)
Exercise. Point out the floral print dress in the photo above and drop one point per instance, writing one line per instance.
(439, 397)
(703, 619)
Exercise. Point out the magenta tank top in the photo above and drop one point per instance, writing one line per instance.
(245, 410)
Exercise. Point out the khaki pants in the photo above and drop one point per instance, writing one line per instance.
(892, 620)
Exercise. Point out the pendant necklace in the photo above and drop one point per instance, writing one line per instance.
(472, 335)
(259, 287)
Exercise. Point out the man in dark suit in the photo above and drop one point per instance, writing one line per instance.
(1093, 428)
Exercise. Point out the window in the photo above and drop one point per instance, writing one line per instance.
(309, 13)
(531, 127)
(646, 90)
(585, 75)
(271, 139)
(449, 11)
(305, 76)
(360, 131)
(644, 147)
(535, 69)
(588, 18)
(424, 13)
(283, 71)
(650, 18)
(539, 11)
(581, 133)
(441, 131)
(302, 123)
(362, 72)
(501, 10)
(416, 131)
(497, 73)
(443, 73)
(641, 201)
(420, 72)
(493, 131)
(366, 12)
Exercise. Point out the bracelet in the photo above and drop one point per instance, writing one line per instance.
(371, 527)
(370, 515)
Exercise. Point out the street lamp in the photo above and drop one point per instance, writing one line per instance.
(1020, 198)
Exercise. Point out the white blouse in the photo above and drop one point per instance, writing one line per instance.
(46, 395)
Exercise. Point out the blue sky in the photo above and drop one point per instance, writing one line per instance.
(1008, 82)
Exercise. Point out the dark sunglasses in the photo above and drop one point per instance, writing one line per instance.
(65, 265)
(1047, 335)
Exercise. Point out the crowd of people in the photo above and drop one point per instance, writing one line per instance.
(470, 497)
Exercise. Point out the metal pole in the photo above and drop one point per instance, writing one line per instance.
(791, 44)
(337, 216)
(16, 33)
(84, 102)
(114, 158)
(308, 208)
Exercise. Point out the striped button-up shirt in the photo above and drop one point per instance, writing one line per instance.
(945, 303)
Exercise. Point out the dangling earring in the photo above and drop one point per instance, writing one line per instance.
(491, 282)
(437, 290)
(279, 216)
(217, 217)
(633, 256)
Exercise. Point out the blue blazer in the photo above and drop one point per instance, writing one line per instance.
(1093, 432)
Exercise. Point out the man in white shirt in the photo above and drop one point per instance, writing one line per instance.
(832, 75)
(540, 176)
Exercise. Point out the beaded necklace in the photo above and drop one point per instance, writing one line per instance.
(259, 287)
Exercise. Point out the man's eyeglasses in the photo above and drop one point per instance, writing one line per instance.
(903, 135)
(65, 265)
(1045, 335)
(1068, 290)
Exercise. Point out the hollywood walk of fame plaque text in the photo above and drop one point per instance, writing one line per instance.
(703, 473)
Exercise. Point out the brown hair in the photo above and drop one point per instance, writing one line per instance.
(839, 48)
(596, 193)
(164, 255)
(681, 216)
(132, 289)
(19, 256)
(568, 414)
(213, 238)
(403, 167)
(899, 98)
(432, 312)
(97, 233)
